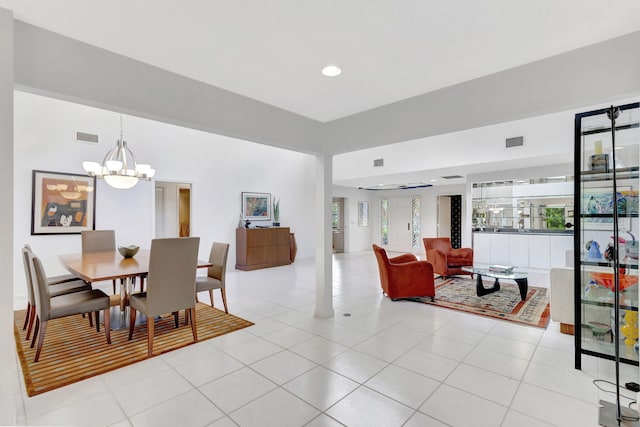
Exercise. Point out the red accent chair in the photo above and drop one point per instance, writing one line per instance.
(446, 260)
(404, 276)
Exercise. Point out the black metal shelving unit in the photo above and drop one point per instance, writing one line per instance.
(606, 163)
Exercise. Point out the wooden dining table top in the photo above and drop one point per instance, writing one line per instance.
(99, 266)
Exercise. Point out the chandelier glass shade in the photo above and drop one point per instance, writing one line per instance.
(119, 168)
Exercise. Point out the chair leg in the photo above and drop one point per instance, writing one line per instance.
(43, 329)
(114, 286)
(194, 329)
(197, 300)
(90, 316)
(132, 321)
(186, 316)
(211, 297)
(141, 283)
(175, 319)
(32, 317)
(107, 324)
(150, 329)
(26, 316)
(97, 313)
(224, 300)
(35, 332)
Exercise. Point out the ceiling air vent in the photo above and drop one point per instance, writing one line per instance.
(87, 137)
(378, 163)
(452, 177)
(517, 141)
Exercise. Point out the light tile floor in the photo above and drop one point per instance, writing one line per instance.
(387, 364)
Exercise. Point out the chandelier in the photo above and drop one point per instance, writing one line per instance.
(119, 168)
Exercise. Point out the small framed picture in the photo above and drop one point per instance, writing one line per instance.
(363, 214)
(62, 203)
(256, 206)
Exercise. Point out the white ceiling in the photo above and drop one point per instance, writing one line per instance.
(389, 50)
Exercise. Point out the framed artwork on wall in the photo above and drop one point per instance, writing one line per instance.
(363, 214)
(62, 203)
(256, 206)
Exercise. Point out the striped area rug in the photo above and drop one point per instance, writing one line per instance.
(73, 351)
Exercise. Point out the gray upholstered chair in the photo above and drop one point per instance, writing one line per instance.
(171, 284)
(48, 308)
(99, 241)
(216, 274)
(54, 280)
(58, 285)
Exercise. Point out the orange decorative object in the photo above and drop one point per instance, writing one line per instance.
(606, 279)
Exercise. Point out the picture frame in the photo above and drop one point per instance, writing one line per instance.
(363, 214)
(256, 206)
(62, 203)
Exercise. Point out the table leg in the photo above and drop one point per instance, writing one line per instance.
(523, 285)
(481, 290)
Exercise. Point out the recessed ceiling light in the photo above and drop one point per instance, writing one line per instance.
(433, 180)
(331, 71)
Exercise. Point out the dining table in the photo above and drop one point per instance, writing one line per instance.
(111, 265)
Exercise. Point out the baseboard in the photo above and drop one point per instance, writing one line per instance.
(566, 328)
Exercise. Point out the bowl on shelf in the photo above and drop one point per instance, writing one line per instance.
(606, 279)
(128, 251)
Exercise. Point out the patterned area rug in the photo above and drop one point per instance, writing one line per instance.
(73, 351)
(460, 294)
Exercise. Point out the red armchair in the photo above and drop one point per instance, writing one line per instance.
(404, 276)
(446, 260)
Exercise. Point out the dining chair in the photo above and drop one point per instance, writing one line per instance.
(171, 284)
(99, 241)
(48, 308)
(215, 278)
(54, 280)
(56, 288)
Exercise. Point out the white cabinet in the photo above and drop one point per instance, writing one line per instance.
(500, 249)
(525, 250)
(482, 248)
(518, 250)
(558, 247)
(539, 252)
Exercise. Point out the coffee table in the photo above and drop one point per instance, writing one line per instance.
(519, 278)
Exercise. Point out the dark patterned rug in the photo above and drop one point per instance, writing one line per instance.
(460, 294)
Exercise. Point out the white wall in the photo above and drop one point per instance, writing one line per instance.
(218, 167)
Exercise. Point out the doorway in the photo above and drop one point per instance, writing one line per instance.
(401, 223)
(173, 209)
(337, 224)
(450, 218)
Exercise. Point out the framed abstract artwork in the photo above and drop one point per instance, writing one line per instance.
(363, 214)
(256, 206)
(62, 203)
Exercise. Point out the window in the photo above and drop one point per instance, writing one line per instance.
(416, 242)
(384, 222)
(335, 215)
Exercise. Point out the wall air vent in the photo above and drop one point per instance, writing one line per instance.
(87, 137)
(452, 177)
(378, 163)
(517, 141)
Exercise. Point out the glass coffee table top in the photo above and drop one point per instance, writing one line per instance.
(484, 271)
(518, 277)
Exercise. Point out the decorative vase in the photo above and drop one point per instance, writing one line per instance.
(293, 247)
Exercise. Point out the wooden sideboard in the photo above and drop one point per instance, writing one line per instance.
(262, 247)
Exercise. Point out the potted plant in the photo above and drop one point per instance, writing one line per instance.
(276, 213)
